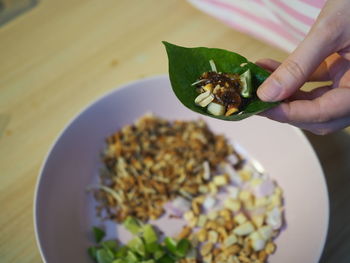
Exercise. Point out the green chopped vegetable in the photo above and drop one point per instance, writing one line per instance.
(92, 251)
(143, 248)
(186, 65)
(99, 234)
(153, 247)
(166, 259)
(133, 225)
(247, 87)
(122, 252)
(131, 257)
(183, 247)
(149, 234)
(137, 245)
(159, 253)
(171, 244)
(104, 256)
(111, 245)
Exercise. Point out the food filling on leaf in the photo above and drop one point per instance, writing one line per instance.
(223, 93)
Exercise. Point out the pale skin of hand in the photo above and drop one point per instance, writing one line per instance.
(324, 55)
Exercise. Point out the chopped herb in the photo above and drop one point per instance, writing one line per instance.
(170, 244)
(149, 234)
(133, 225)
(137, 245)
(92, 251)
(99, 234)
(183, 247)
(111, 245)
(104, 256)
(143, 248)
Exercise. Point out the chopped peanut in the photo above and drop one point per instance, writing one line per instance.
(244, 229)
(186, 231)
(202, 235)
(233, 205)
(270, 248)
(213, 236)
(206, 249)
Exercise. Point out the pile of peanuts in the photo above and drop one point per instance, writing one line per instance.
(240, 229)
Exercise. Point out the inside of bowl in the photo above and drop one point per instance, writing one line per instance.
(64, 211)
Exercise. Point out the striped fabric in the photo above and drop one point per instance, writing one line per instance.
(282, 23)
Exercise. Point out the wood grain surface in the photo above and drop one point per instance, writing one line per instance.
(61, 55)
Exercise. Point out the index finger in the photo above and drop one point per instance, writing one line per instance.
(331, 105)
(297, 68)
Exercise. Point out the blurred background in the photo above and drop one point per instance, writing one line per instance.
(56, 57)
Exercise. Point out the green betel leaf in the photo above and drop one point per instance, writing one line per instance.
(186, 65)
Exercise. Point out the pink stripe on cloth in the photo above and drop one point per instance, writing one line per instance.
(288, 25)
(315, 3)
(304, 19)
(267, 23)
(258, 1)
(259, 35)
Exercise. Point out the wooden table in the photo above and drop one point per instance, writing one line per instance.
(61, 55)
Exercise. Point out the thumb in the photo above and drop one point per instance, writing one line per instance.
(296, 69)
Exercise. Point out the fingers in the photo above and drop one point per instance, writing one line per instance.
(326, 127)
(268, 64)
(296, 69)
(320, 74)
(309, 95)
(333, 104)
(319, 128)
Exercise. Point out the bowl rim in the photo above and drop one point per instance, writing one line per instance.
(125, 86)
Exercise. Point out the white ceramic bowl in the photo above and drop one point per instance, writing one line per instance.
(64, 211)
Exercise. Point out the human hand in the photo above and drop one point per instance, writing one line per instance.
(324, 55)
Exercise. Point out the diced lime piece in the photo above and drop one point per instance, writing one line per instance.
(131, 257)
(153, 247)
(137, 245)
(149, 234)
(247, 87)
(133, 225)
(104, 256)
(159, 253)
(110, 244)
(121, 252)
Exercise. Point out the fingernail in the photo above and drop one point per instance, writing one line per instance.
(270, 90)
